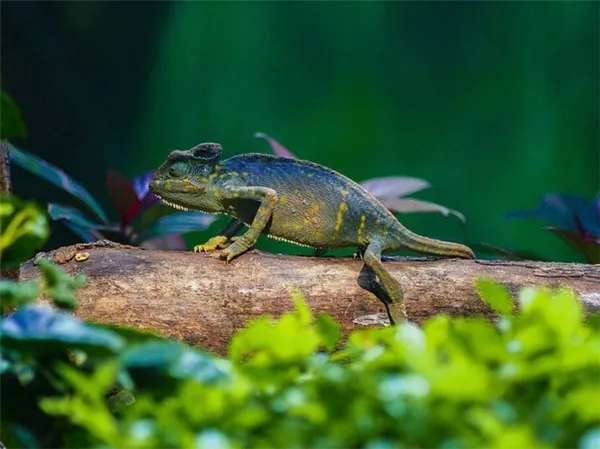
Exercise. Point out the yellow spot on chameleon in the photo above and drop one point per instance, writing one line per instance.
(234, 173)
(297, 227)
(310, 175)
(283, 199)
(361, 226)
(245, 174)
(236, 195)
(340, 215)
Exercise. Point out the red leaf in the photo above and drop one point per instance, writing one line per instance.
(123, 196)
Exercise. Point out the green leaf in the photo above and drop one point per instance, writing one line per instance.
(11, 125)
(56, 176)
(302, 309)
(496, 296)
(60, 286)
(14, 294)
(24, 230)
(329, 330)
(88, 407)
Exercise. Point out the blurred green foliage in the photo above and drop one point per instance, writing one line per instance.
(494, 103)
(528, 380)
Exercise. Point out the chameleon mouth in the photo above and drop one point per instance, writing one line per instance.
(171, 204)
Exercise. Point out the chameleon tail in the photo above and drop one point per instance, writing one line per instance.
(405, 238)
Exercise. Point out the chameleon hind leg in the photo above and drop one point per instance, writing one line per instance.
(392, 295)
(222, 239)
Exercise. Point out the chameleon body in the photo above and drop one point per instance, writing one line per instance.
(295, 201)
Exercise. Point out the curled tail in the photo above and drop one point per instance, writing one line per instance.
(407, 239)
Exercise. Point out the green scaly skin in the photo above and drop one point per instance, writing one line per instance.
(292, 200)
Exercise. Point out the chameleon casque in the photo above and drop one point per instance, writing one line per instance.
(292, 200)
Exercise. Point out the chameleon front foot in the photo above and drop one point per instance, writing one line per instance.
(220, 241)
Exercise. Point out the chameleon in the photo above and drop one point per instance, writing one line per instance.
(296, 201)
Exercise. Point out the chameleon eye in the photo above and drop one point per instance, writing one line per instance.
(178, 170)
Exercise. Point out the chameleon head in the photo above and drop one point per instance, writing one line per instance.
(181, 180)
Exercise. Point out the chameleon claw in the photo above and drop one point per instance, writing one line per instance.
(233, 250)
(220, 241)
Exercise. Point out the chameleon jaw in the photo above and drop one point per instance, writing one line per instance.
(169, 203)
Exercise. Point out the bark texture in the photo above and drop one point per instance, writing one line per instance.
(201, 300)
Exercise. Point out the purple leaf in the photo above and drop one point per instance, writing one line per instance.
(589, 249)
(141, 185)
(276, 147)
(54, 175)
(394, 186)
(571, 213)
(410, 206)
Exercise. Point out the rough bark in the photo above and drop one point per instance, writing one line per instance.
(201, 300)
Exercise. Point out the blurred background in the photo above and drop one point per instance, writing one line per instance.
(494, 103)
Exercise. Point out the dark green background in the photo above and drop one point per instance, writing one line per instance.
(494, 103)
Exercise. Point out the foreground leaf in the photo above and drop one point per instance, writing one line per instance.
(496, 296)
(176, 360)
(40, 329)
(56, 176)
(24, 230)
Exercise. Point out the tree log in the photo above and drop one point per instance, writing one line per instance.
(203, 301)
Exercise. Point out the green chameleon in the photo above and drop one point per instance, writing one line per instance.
(292, 200)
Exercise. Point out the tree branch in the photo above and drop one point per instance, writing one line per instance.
(201, 300)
